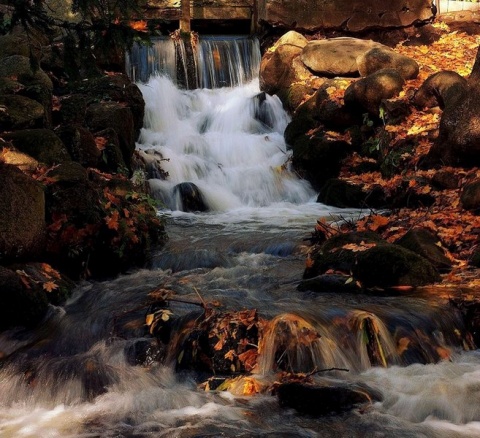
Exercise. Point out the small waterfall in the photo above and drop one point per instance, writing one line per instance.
(210, 62)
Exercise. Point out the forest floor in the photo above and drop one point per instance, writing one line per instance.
(457, 228)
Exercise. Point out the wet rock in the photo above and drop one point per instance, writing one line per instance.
(302, 121)
(20, 305)
(440, 89)
(320, 400)
(383, 57)
(42, 144)
(318, 158)
(367, 94)
(19, 112)
(329, 283)
(372, 261)
(22, 218)
(470, 196)
(335, 56)
(190, 197)
(423, 242)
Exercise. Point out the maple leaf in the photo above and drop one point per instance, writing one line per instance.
(101, 143)
(49, 286)
(112, 221)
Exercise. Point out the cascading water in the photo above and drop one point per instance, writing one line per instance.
(92, 370)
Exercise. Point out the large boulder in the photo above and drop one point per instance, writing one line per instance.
(37, 84)
(372, 261)
(22, 218)
(42, 144)
(335, 56)
(470, 196)
(281, 66)
(351, 16)
(458, 141)
(367, 94)
(317, 158)
(439, 88)
(384, 57)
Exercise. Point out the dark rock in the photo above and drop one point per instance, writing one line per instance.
(117, 88)
(422, 242)
(342, 194)
(42, 144)
(302, 121)
(445, 180)
(80, 144)
(375, 263)
(440, 89)
(330, 111)
(73, 109)
(470, 196)
(118, 117)
(189, 197)
(20, 306)
(329, 283)
(320, 400)
(367, 94)
(317, 158)
(69, 173)
(335, 56)
(19, 112)
(22, 221)
(111, 156)
(383, 57)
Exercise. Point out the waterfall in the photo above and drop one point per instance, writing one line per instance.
(210, 62)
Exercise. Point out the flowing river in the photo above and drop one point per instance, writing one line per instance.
(78, 375)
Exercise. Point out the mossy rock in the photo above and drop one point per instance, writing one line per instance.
(80, 144)
(19, 112)
(42, 144)
(423, 242)
(372, 261)
(22, 218)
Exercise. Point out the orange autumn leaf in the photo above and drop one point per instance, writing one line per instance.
(139, 26)
(101, 143)
(50, 286)
(112, 221)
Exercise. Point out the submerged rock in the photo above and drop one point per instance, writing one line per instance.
(320, 400)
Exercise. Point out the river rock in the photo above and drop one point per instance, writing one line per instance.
(19, 112)
(320, 400)
(329, 283)
(190, 197)
(280, 66)
(383, 57)
(352, 16)
(22, 218)
(423, 242)
(42, 144)
(372, 261)
(439, 88)
(335, 56)
(367, 94)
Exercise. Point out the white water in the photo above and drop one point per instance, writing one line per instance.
(247, 252)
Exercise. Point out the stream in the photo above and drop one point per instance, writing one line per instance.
(78, 374)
